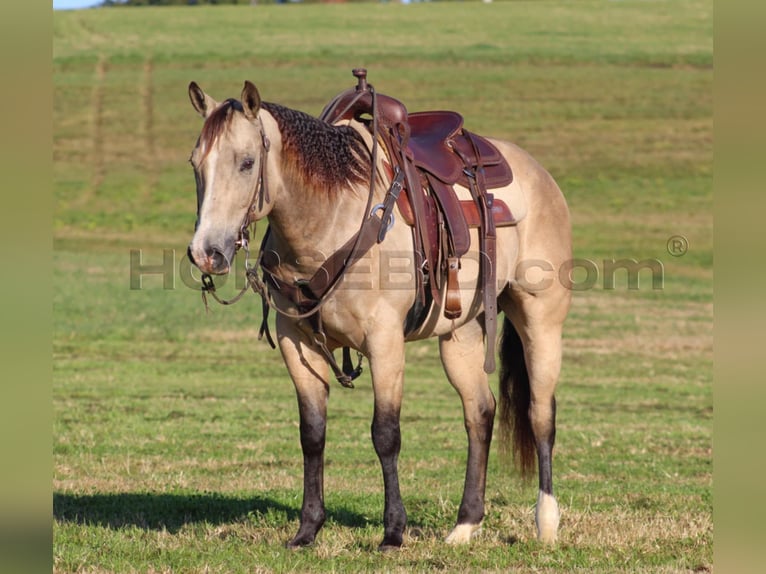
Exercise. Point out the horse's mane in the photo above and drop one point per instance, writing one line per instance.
(325, 158)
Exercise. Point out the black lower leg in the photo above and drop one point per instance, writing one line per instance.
(479, 440)
(545, 454)
(386, 438)
(312, 512)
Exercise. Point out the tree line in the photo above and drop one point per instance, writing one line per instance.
(209, 2)
(172, 2)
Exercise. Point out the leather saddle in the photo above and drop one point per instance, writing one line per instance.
(446, 153)
(434, 153)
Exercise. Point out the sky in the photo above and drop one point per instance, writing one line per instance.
(69, 4)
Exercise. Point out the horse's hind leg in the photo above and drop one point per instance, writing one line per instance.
(309, 372)
(531, 358)
(463, 359)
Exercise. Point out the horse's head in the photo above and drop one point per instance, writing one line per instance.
(229, 164)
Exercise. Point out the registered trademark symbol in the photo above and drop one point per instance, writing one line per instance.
(678, 245)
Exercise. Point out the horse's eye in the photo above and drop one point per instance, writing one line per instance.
(247, 164)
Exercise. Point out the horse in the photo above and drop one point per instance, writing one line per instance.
(314, 182)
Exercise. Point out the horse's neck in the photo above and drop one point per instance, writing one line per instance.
(306, 226)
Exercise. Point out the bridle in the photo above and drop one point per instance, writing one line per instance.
(260, 196)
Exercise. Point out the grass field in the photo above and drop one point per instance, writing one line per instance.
(176, 433)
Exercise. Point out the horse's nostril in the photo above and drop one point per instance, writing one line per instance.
(217, 258)
(209, 258)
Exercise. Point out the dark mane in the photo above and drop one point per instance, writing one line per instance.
(327, 158)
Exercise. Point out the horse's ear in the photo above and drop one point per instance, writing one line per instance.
(203, 103)
(251, 100)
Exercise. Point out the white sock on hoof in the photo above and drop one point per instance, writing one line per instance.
(462, 533)
(547, 518)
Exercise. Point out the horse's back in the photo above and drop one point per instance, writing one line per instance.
(544, 229)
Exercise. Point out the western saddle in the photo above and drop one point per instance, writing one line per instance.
(428, 154)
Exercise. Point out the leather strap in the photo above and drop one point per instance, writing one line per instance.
(452, 308)
(488, 247)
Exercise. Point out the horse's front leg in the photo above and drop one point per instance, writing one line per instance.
(387, 368)
(309, 373)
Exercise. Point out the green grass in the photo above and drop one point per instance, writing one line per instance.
(175, 431)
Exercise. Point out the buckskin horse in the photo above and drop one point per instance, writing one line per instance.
(382, 230)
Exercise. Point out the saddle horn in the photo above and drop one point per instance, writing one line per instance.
(361, 77)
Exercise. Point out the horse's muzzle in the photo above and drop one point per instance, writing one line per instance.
(214, 260)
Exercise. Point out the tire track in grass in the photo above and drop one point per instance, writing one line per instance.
(96, 131)
(147, 128)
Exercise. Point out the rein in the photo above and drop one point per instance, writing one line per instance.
(309, 295)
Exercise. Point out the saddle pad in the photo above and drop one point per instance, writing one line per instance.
(513, 197)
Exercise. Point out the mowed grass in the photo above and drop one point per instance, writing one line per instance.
(175, 431)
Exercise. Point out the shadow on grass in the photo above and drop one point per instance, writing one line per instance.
(158, 511)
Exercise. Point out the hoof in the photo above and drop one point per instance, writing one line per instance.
(462, 533)
(547, 518)
(299, 542)
(390, 543)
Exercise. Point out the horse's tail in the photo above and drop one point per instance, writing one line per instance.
(514, 402)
